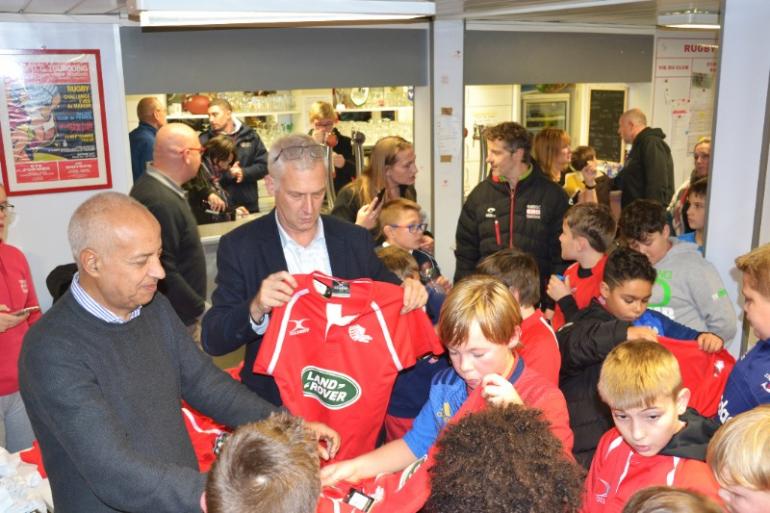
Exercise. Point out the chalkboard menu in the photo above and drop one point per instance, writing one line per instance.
(606, 108)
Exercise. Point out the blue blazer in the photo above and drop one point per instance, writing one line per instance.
(250, 253)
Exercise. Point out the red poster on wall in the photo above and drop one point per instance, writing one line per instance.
(53, 129)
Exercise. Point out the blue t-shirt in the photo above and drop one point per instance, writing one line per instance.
(448, 392)
(142, 141)
(749, 383)
(690, 237)
(664, 326)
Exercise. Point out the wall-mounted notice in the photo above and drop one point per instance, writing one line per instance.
(684, 81)
(53, 130)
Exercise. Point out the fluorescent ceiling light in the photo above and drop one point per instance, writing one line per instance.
(159, 13)
(690, 20)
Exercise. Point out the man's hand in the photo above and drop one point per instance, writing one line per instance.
(216, 203)
(710, 343)
(498, 391)
(343, 471)
(415, 295)
(558, 288)
(276, 290)
(236, 172)
(325, 434)
(8, 321)
(641, 333)
(368, 214)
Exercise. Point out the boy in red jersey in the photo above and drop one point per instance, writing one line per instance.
(538, 346)
(479, 325)
(587, 236)
(656, 440)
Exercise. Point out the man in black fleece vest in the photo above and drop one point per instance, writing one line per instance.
(104, 372)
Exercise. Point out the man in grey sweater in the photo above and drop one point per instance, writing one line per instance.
(103, 374)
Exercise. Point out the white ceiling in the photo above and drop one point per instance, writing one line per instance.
(602, 12)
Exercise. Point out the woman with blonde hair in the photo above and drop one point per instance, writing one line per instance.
(391, 169)
(551, 151)
(677, 209)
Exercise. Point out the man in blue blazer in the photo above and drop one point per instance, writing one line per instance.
(255, 262)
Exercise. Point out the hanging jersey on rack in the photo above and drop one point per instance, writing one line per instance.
(334, 350)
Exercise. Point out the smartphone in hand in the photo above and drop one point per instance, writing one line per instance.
(25, 311)
(380, 196)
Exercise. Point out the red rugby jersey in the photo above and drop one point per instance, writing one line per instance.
(705, 374)
(583, 289)
(335, 356)
(539, 347)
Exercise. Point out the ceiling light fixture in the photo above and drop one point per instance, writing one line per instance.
(169, 13)
(690, 19)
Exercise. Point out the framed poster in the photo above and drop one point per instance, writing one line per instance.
(53, 129)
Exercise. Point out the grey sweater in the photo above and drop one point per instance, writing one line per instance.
(104, 401)
(689, 290)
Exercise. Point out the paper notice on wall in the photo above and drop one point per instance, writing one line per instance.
(683, 93)
(449, 137)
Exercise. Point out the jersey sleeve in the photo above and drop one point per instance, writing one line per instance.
(270, 348)
(412, 334)
(425, 428)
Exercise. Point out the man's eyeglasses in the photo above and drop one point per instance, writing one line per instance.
(199, 149)
(413, 228)
(6, 208)
(315, 151)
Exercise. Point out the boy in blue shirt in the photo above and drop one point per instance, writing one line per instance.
(749, 383)
(480, 327)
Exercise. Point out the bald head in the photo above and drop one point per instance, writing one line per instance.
(176, 153)
(150, 110)
(635, 116)
(630, 124)
(100, 219)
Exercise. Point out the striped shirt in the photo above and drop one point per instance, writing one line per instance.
(94, 308)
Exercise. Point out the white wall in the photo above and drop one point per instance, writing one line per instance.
(739, 137)
(39, 228)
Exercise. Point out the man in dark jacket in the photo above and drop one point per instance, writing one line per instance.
(649, 169)
(176, 160)
(517, 205)
(241, 183)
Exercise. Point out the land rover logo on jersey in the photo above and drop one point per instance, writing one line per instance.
(332, 389)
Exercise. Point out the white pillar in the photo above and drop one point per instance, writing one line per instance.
(739, 137)
(448, 90)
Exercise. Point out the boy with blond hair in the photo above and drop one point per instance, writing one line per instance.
(749, 382)
(480, 327)
(401, 224)
(518, 270)
(656, 440)
(271, 465)
(739, 456)
(588, 234)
